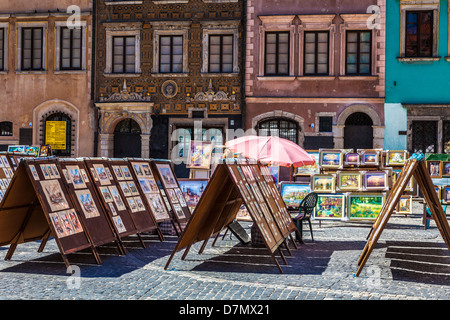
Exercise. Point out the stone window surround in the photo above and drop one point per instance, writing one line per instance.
(310, 23)
(277, 23)
(161, 28)
(355, 22)
(34, 24)
(122, 29)
(5, 27)
(317, 23)
(218, 28)
(58, 26)
(317, 122)
(419, 6)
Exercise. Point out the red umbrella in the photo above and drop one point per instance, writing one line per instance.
(271, 150)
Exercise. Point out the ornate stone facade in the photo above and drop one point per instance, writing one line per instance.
(158, 97)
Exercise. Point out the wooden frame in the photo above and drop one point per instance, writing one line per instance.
(349, 181)
(37, 206)
(370, 158)
(418, 169)
(219, 204)
(330, 206)
(199, 150)
(323, 183)
(352, 159)
(446, 169)
(445, 195)
(434, 168)
(404, 205)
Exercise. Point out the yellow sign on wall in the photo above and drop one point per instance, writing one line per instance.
(55, 134)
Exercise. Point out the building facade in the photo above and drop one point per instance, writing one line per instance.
(418, 76)
(166, 73)
(315, 72)
(45, 75)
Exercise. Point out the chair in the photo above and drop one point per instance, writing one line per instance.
(305, 211)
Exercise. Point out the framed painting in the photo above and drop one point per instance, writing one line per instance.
(404, 204)
(370, 158)
(434, 169)
(331, 159)
(330, 207)
(375, 180)
(166, 174)
(364, 206)
(323, 183)
(294, 193)
(310, 169)
(446, 194)
(438, 192)
(352, 159)
(199, 155)
(192, 190)
(396, 157)
(446, 169)
(349, 180)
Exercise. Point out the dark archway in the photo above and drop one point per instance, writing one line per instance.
(358, 131)
(127, 139)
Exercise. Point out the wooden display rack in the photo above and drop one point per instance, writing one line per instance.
(37, 205)
(230, 186)
(416, 168)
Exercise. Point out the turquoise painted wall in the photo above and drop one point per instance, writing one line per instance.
(413, 82)
(416, 82)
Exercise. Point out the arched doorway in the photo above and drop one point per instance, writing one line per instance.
(358, 131)
(127, 139)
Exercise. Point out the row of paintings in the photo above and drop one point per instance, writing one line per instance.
(438, 169)
(337, 158)
(356, 206)
(443, 193)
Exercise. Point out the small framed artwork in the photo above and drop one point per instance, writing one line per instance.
(446, 194)
(404, 204)
(364, 206)
(446, 169)
(396, 157)
(375, 180)
(370, 158)
(330, 206)
(294, 193)
(352, 159)
(331, 159)
(349, 180)
(434, 169)
(310, 169)
(323, 183)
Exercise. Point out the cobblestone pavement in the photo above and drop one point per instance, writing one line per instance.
(407, 263)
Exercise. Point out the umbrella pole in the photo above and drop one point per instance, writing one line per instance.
(292, 173)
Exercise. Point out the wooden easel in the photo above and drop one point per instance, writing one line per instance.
(416, 168)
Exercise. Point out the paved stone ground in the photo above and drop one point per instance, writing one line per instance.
(407, 263)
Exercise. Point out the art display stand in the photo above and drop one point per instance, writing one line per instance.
(230, 186)
(172, 194)
(416, 168)
(36, 206)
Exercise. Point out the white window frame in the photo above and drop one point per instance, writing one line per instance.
(220, 28)
(317, 23)
(170, 28)
(5, 27)
(26, 24)
(58, 26)
(125, 29)
(277, 24)
(423, 5)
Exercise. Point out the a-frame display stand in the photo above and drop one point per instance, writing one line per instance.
(36, 206)
(219, 204)
(416, 168)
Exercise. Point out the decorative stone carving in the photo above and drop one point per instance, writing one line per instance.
(125, 96)
(210, 95)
